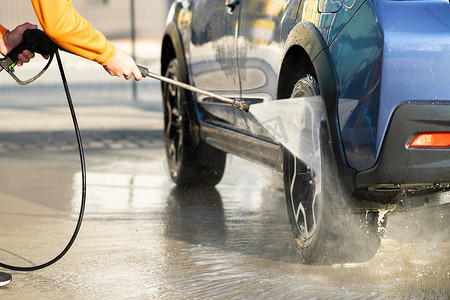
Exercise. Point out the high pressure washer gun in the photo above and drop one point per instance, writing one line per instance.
(37, 41)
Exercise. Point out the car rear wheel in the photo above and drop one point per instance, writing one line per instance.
(326, 230)
(190, 163)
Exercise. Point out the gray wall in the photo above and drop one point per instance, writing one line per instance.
(112, 17)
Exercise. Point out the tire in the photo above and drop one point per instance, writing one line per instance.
(325, 228)
(190, 162)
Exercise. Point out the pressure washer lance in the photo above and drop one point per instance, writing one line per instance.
(237, 103)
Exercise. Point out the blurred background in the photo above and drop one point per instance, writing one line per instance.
(112, 17)
(135, 26)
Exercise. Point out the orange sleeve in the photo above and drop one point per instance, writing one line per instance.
(3, 30)
(66, 27)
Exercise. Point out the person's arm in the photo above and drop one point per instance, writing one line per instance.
(11, 39)
(3, 30)
(66, 27)
(3, 47)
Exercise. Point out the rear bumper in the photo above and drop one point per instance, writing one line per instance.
(401, 167)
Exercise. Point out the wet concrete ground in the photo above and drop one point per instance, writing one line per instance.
(142, 238)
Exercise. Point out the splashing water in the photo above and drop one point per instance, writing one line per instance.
(295, 124)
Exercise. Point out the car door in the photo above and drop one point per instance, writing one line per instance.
(263, 28)
(213, 56)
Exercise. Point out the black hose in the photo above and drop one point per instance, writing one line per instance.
(83, 181)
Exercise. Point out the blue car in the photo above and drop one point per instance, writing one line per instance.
(381, 69)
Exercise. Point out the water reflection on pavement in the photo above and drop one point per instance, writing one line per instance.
(145, 238)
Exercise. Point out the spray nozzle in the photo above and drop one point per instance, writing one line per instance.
(241, 104)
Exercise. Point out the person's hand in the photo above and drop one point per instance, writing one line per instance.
(12, 39)
(123, 65)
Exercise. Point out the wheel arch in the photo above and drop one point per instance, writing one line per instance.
(307, 52)
(172, 47)
(301, 48)
(296, 64)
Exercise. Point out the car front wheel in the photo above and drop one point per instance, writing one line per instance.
(326, 229)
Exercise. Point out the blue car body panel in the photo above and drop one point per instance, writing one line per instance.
(371, 58)
(390, 53)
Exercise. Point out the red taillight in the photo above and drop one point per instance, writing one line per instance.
(432, 140)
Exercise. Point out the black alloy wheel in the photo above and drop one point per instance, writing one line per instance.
(190, 162)
(325, 228)
(301, 182)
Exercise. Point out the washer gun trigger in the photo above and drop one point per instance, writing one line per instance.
(36, 41)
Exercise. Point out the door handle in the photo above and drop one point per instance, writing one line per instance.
(231, 4)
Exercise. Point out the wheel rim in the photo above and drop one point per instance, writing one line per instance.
(304, 183)
(304, 198)
(173, 124)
